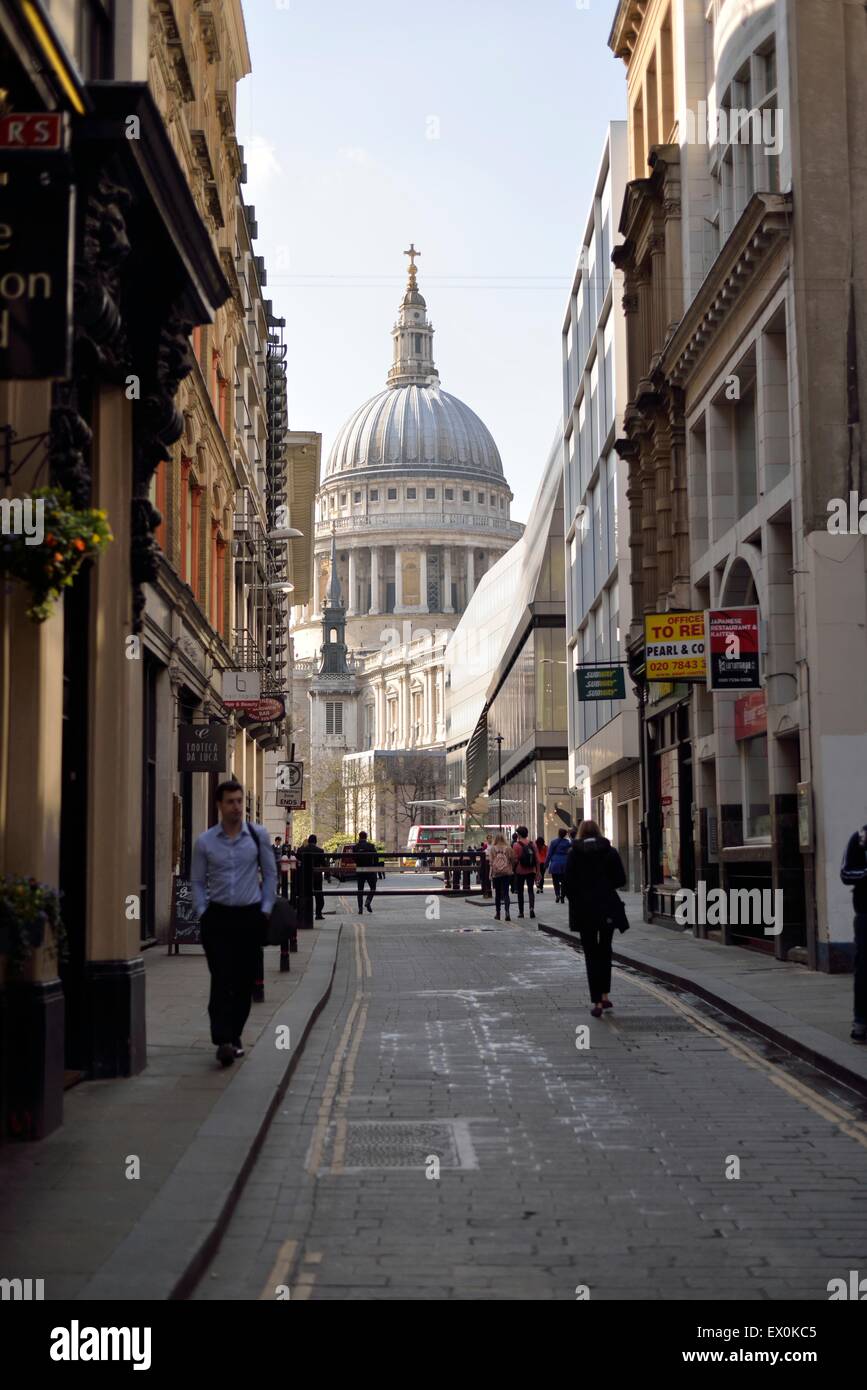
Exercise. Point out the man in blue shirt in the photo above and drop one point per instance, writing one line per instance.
(234, 886)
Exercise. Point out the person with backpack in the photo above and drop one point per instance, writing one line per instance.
(542, 853)
(594, 871)
(526, 858)
(234, 879)
(501, 862)
(853, 872)
(558, 853)
(311, 862)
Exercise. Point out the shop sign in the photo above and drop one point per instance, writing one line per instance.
(674, 647)
(202, 747)
(732, 636)
(263, 711)
(601, 683)
(241, 687)
(751, 715)
(36, 249)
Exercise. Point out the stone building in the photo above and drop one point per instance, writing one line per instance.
(740, 429)
(413, 510)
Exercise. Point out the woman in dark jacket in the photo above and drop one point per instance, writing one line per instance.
(558, 853)
(594, 871)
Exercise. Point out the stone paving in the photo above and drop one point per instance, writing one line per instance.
(560, 1168)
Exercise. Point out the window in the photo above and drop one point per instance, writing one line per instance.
(466, 494)
(430, 493)
(450, 494)
(480, 498)
(417, 343)
(410, 494)
(343, 499)
(334, 716)
(391, 494)
(502, 503)
(756, 789)
(374, 494)
(93, 40)
(493, 500)
(356, 496)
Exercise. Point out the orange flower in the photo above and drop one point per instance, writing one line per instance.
(49, 540)
(78, 543)
(58, 558)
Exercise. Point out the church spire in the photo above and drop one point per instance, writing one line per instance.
(333, 596)
(413, 363)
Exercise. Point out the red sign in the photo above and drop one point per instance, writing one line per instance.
(733, 643)
(751, 715)
(262, 711)
(27, 131)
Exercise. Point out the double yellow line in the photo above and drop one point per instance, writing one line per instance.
(334, 1105)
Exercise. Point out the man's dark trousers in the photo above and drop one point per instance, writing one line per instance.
(860, 1010)
(232, 938)
(370, 880)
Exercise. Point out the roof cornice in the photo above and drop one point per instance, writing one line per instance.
(626, 28)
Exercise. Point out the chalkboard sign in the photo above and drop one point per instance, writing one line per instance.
(185, 928)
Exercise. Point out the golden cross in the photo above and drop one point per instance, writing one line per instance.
(412, 253)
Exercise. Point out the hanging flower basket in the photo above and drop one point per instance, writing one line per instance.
(70, 535)
(27, 907)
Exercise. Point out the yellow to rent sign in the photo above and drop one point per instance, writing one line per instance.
(674, 647)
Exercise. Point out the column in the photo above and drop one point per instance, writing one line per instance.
(374, 579)
(471, 572)
(398, 580)
(406, 701)
(447, 605)
(422, 579)
(429, 733)
(353, 579)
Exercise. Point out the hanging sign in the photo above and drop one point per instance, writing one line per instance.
(36, 245)
(733, 643)
(601, 683)
(674, 647)
(202, 747)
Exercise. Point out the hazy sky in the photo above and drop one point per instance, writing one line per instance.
(469, 127)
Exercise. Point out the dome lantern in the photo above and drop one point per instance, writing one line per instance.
(413, 336)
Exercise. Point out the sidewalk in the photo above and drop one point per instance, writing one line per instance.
(72, 1217)
(807, 1012)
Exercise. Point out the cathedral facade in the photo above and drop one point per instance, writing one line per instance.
(412, 510)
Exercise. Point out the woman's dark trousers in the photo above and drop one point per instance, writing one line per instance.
(596, 943)
(501, 893)
(557, 880)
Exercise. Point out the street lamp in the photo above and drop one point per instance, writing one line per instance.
(500, 778)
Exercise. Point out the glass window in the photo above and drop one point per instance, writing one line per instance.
(493, 500)
(466, 494)
(450, 494)
(430, 493)
(343, 499)
(356, 496)
(391, 494)
(756, 788)
(410, 494)
(374, 494)
(480, 498)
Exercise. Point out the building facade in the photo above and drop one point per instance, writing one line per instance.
(738, 434)
(603, 734)
(412, 513)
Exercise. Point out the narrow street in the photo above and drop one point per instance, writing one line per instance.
(560, 1167)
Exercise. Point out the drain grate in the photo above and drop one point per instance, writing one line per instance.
(654, 1023)
(406, 1144)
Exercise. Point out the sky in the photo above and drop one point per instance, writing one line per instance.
(470, 128)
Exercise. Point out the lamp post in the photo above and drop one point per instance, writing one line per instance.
(500, 777)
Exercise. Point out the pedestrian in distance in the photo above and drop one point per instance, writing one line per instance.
(526, 858)
(312, 866)
(501, 862)
(594, 872)
(558, 853)
(284, 866)
(854, 873)
(542, 852)
(366, 863)
(234, 880)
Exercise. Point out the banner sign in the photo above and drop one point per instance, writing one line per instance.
(751, 715)
(601, 683)
(36, 249)
(202, 747)
(263, 711)
(674, 647)
(732, 636)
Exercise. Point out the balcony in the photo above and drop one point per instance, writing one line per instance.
(420, 521)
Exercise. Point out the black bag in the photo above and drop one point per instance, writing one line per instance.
(282, 923)
(617, 914)
(527, 858)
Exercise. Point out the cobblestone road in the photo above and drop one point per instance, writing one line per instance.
(559, 1167)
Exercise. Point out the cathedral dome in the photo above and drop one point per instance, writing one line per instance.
(415, 426)
(413, 423)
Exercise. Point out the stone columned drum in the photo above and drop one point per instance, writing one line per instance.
(415, 497)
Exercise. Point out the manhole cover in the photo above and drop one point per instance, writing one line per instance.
(407, 1144)
(654, 1023)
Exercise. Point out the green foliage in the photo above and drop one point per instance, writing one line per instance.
(72, 535)
(26, 908)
